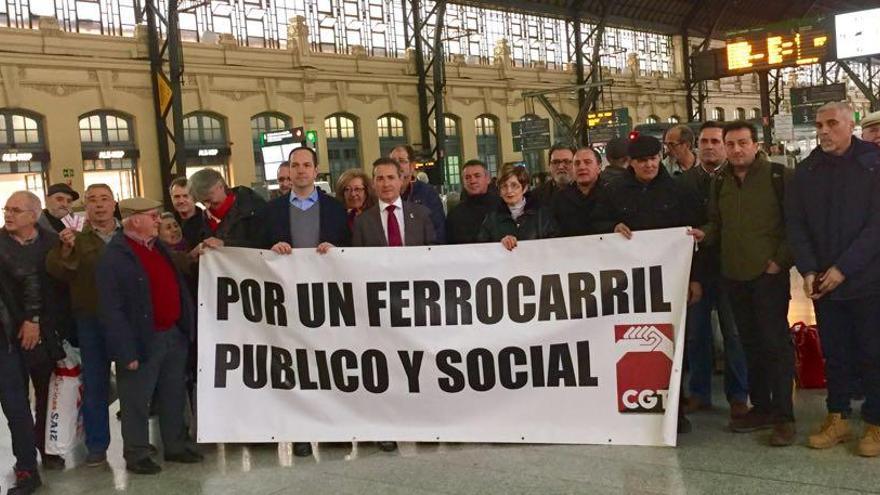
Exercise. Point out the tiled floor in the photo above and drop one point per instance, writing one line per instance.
(710, 460)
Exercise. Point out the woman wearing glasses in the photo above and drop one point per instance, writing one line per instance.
(355, 190)
(521, 217)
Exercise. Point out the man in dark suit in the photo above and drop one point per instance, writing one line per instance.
(305, 217)
(391, 221)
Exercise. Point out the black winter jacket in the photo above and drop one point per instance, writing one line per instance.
(464, 221)
(574, 212)
(832, 216)
(536, 222)
(659, 204)
(20, 297)
(243, 225)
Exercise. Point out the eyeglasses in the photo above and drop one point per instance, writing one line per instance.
(284, 179)
(672, 144)
(560, 162)
(353, 190)
(15, 211)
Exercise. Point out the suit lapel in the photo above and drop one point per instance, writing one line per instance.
(409, 224)
(378, 231)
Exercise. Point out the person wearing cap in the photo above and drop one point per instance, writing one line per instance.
(74, 261)
(647, 197)
(699, 346)
(745, 219)
(24, 239)
(149, 316)
(871, 128)
(58, 214)
(833, 220)
(573, 206)
(618, 160)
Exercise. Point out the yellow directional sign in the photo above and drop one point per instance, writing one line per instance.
(164, 93)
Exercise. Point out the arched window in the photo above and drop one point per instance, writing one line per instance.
(261, 124)
(756, 113)
(204, 136)
(652, 119)
(24, 158)
(740, 113)
(343, 143)
(392, 132)
(452, 126)
(109, 152)
(674, 119)
(487, 142)
(718, 114)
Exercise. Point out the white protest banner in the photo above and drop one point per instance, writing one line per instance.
(574, 340)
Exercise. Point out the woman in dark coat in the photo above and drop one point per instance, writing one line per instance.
(521, 218)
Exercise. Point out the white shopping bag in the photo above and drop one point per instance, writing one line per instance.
(64, 425)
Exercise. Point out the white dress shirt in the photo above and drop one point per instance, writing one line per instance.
(398, 212)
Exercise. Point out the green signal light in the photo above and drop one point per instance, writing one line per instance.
(312, 136)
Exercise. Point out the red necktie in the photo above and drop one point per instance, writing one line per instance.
(394, 239)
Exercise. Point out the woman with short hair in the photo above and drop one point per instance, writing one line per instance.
(355, 190)
(521, 217)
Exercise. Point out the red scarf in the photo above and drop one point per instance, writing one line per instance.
(216, 215)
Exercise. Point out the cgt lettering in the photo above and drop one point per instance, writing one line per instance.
(645, 400)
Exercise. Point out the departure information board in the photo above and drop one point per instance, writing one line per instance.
(780, 46)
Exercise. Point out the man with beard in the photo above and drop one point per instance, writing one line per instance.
(561, 157)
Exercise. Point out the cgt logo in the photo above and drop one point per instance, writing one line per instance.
(644, 367)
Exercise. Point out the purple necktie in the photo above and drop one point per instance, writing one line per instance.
(394, 239)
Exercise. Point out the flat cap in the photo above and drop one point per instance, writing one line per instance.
(871, 120)
(63, 188)
(132, 206)
(643, 146)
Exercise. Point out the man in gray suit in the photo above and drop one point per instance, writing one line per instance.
(392, 222)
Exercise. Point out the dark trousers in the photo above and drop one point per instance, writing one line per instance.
(14, 400)
(760, 307)
(163, 373)
(841, 324)
(40, 375)
(96, 383)
(700, 349)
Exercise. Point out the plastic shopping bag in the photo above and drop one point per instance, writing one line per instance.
(64, 425)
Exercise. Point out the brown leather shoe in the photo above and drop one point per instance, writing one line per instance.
(783, 434)
(752, 421)
(738, 409)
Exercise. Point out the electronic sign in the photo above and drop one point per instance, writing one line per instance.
(773, 47)
(857, 34)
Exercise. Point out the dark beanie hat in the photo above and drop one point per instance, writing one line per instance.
(643, 146)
